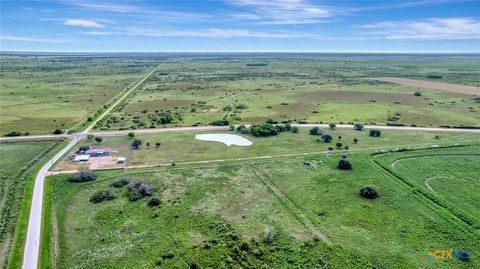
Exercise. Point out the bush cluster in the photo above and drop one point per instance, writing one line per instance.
(120, 182)
(344, 164)
(103, 195)
(83, 176)
(368, 193)
(139, 189)
(154, 201)
(265, 129)
(220, 123)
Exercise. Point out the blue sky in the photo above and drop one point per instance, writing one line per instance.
(241, 25)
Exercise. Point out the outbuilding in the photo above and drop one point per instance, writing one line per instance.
(82, 158)
(121, 159)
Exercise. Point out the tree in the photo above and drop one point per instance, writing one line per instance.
(157, 145)
(136, 144)
(344, 164)
(347, 147)
(327, 138)
(82, 149)
(355, 140)
(332, 126)
(368, 193)
(338, 144)
(220, 123)
(98, 139)
(263, 130)
(417, 94)
(295, 129)
(57, 131)
(154, 201)
(330, 148)
(131, 134)
(315, 131)
(288, 127)
(375, 133)
(83, 176)
(358, 126)
(148, 144)
(89, 119)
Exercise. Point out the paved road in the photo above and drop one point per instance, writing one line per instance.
(32, 242)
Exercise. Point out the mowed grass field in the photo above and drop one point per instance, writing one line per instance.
(183, 147)
(17, 161)
(302, 88)
(216, 215)
(41, 93)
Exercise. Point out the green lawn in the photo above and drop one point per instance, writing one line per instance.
(216, 216)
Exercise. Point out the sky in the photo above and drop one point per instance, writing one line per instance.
(240, 26)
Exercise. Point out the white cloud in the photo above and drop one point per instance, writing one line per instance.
(34, 39)
(83, 23)
(281, 11)
(205, 33)
(102, 5)
(429, 29)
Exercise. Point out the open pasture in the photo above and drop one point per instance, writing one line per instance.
(42, 93)
(275, 213)
(300, 88)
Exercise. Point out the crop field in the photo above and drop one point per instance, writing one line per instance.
(300, 89)
(183, 147)
(295, 212)
(42, 93)
(17, 161)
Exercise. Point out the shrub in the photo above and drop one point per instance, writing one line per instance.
(101, 196)
(268, 236)
(98, 139)
(358, 126)
(368, 193)
(463, 255)
(338, 144)
(327, 138)
(344, 164)
(242, 106)
(136, 144)
(131, 134)
(288, 127)
(263, 130)
(417, 94)
(157, 145)
(57, 131)
(332, 125)
(315, 131)
(355, 140)
(375, 133)
(83, 176)
(139, 189)
(14, 133)
(295, 129)
(120, 182)
(220, 123)
(154, 201)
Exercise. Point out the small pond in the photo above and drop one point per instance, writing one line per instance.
(227, 139)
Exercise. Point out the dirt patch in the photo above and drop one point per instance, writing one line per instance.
(104, 162)
(430, 85)
(359, 97)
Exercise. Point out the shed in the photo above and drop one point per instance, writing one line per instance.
(98, 152)
(82, 158)
(121, 159)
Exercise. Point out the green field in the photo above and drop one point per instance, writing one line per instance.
(217, 215)
(41, 93)
(17, 162)
(300, 89)
(183, 147)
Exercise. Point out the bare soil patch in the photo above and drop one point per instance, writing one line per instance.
(430, 85)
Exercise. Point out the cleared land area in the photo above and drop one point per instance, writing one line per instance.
(258, 213)
(42, 93)
(431, 85)
(18, 161)
(183, 147)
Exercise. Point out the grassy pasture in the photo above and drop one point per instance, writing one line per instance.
(17, 162)
(312, 89)
(41, 93)
(183, 147)
(215, 216)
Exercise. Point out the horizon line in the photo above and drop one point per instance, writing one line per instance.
(248, 51)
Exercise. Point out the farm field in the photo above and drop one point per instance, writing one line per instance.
(301, 88)
(277, 213)
(17, 161)
(42, 93)
(183, 147)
